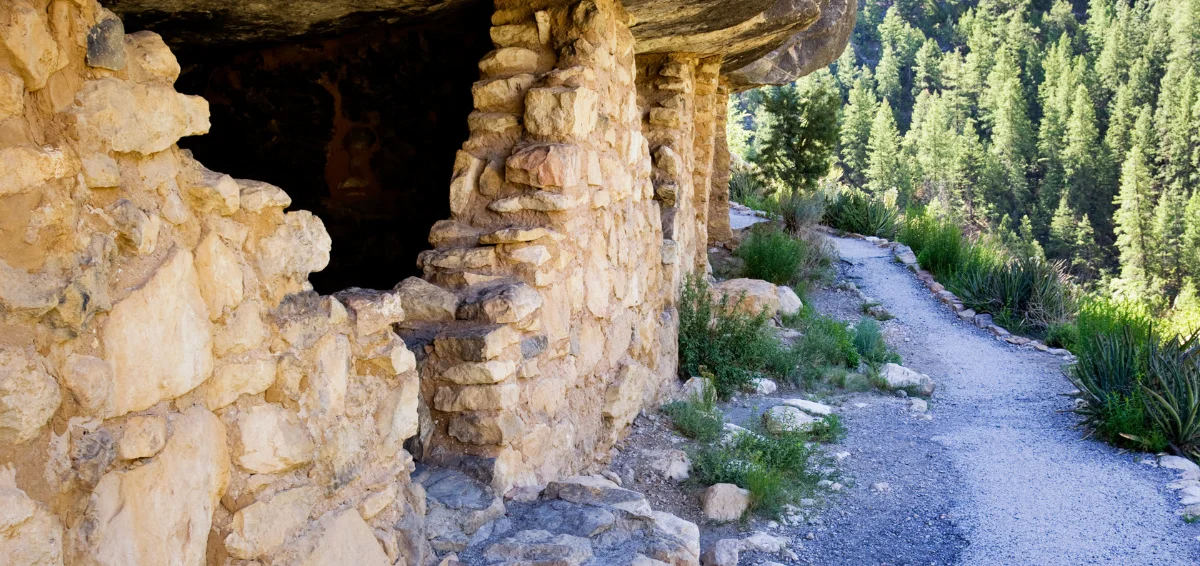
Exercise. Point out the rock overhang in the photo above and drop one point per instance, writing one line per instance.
(762, 41)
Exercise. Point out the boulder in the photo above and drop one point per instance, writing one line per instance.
(724, 552)
(784, 418)
(672, 464)
(810, 407)
(763, 386)
(595, 490)
(749, 295)
(540, 547)
(789, 301)
(725, 502)
(900, 377)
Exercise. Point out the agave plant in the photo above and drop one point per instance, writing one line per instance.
(1172, 392)
(1114, 366)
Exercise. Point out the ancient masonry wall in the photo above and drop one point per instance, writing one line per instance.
(171, 389)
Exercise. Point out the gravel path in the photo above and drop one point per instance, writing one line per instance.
(999, 476)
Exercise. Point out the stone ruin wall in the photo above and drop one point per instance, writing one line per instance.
(173, 392)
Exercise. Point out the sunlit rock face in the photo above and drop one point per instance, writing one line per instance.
(174, 390)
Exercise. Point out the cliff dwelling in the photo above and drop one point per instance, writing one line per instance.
(259, 261)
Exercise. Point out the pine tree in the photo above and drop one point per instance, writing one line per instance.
(1086, 255)
(1169, 230)
(1011, 134)
(799, 141)
(847, 69)
(887, 167)
(1063, 227)
(927, 74)
(857, 117)
(1083, 159)
(1191, 237)
(1134, 222)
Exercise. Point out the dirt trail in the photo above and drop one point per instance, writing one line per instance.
(999, 476)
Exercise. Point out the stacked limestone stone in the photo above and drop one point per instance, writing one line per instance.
(564, 329)
(170, 388)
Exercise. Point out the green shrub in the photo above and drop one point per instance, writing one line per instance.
(777, 470)
(1063, 335)
(745, 186)
(854, 211)
(693, 420)
(772, 255)
(801, 211)
(715, 336)
(825, 343)
(828, 429)
(870, 345)
(1172, 392)
(1123, 421)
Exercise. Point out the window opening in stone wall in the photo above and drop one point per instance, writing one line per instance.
(359, 128)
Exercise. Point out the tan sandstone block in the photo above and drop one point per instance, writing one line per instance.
(424, 301)
(347, 539)
(263, 526)
(150, 59)
(24, 168)
(516, 35)
(503, 303)
(623, 399)
(257, 196)
(271, 439)
(464, 180)
(299, 246)
(130, 117)
(508, 61)
(211, 191)
(159, 338)
(461, 258)
(475, 343)
(516, 235)
(143, 437)
(29, 396)
(375, 503)
(397, 419)
(233, 380)
(326, 394)
(477, 398)
(12, 95)
(560, 113)
(477, 373)
(374, 311)
(220, 275)
(90, 381)
(242, 331)
(486, 428)
(29, 534)
(100, 171)
(27, 39)
(502, 95)
(161, 512)
(544, 166)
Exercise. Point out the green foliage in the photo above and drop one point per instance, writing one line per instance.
(698, 418)
(829, 429)
(1122, 420)
(825, 343)
(870, 345)
(801, 211)
(772, 255)
(777, 470)
(715, 336)
(800, 132)
(1172, 392)
(854, 211)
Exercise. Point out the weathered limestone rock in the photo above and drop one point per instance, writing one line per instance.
(106, 45)
(503, 303)
(672, 464)
(810, 407)
(623, 399)
(783, 418)
(900, 377)
(220, 275)
(725, 502)
(150, 60)
(789, 302)
(298, 247)
(508, 61)
(27, 39)
(129, 117)
(347, 539)
(502, 95)
(143, 437)
(159, 513)
(540, 547)
(594, 490)
(29, 534)
(479, 373)
(722, 553)
(29, 396)
(751, 295)
(12, 95)
(24, 167)
(424, 301)
(262, 526)
(477, 398)
(560, 113)
(270, 439)
(233, 380)
(159, 338)
(90, 381)
(374, 311)
(548, 166)
(476, 343)
(486, 429)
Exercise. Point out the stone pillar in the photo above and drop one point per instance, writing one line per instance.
(553, 252)
(718, 200)
(706, 127)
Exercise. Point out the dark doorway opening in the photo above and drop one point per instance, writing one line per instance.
(360, 129)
